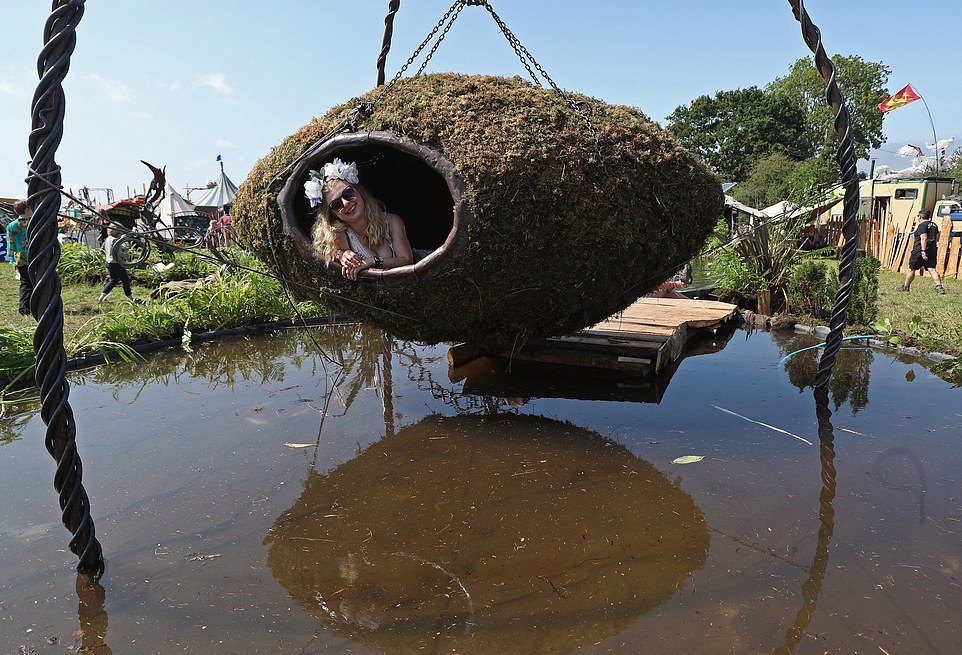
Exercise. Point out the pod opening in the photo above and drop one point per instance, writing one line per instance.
(414, 181)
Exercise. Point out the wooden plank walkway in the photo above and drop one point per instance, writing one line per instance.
(646, 339)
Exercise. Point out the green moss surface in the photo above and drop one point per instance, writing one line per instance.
(559, 239)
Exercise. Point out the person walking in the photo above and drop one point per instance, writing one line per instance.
(924, 252)
(18, 247)
(116, 271)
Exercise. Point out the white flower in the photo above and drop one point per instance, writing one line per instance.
(314, 190)
(338, 170)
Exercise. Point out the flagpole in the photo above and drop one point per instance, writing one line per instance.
(935, 137)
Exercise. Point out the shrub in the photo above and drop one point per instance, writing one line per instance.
(813, 288)
(863, 309)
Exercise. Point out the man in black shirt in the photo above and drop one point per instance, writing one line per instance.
(924, 252)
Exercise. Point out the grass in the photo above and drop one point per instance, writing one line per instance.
(233, 299)
(922, 317)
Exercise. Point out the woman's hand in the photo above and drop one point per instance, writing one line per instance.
(352, 264)
(349, 258)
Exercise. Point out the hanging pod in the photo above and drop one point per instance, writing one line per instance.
(536, 226)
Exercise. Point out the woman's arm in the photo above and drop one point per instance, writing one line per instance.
(403, 254)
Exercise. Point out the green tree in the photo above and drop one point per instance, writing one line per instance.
(864, 85)
(768, 181)
(733, 129)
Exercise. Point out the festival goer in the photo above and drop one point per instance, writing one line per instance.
(115, 270)
(17, 243)
(669, 288)
(925, 252)
(353, 228)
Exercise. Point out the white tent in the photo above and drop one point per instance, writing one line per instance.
(172, 205)
(744, 209)
(219, 195)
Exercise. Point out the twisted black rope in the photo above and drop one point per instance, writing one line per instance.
(46, 305)
(826, 516)
(845, 157)
(392, 8)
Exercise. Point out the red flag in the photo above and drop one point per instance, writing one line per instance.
(903, 97)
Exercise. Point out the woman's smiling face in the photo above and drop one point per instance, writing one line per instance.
(345, 201)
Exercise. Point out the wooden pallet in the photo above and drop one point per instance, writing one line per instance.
(647, 339)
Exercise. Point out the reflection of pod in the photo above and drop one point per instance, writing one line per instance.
(484, 534)
(531, 235)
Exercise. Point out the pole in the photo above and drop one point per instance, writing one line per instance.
(871, 209)
(935, 137)
(46, 301)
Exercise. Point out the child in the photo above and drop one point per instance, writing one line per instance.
(118, 274)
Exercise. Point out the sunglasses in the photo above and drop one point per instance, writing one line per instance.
(338, 203)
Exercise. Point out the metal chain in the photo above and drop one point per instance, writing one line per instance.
(46, 303)
(527, 60)
(454, 9)
(845, 157)
(525, 56)
(434, 48)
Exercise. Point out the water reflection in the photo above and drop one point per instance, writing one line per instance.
(480, 533)
(92, 617)
(15, 411)
(850, 377)
(826, 525)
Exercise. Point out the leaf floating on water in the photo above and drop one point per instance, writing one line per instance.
(298, 445)
(688, 459)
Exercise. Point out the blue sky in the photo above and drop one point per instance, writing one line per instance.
(178, 82)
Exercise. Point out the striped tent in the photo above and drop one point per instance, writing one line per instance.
(220, 195)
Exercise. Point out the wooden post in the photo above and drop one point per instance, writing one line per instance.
(945, 233)
(885, 255)
(764, 298)
(905, 252)
(953, 266)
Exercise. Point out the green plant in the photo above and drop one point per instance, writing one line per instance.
(80, 264)
(812, 287)
(950, 370)
(763, 258)
(863, 308)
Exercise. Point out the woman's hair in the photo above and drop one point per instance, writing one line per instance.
(115, 231)
(328, 226)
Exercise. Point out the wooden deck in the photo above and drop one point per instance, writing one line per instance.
(647, 340)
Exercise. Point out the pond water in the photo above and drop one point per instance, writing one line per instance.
(248, 505)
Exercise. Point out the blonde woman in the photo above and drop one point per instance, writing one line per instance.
(353, 228)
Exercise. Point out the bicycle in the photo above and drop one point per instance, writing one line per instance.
(133, 249)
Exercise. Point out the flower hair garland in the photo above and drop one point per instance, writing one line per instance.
(336, 170)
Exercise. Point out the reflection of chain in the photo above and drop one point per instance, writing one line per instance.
(826, 516)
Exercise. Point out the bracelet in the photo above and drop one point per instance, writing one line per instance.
(378, 261)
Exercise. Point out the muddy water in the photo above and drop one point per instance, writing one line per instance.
(247, 505)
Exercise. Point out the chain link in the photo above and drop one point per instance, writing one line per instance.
(525, 56)
(454, 10)
(527, 60)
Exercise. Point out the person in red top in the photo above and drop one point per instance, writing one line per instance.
(924, 252)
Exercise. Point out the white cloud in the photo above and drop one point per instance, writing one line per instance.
(115, 91)
(224, 143)
(8, 87)
(173, 87)
(216, 81)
